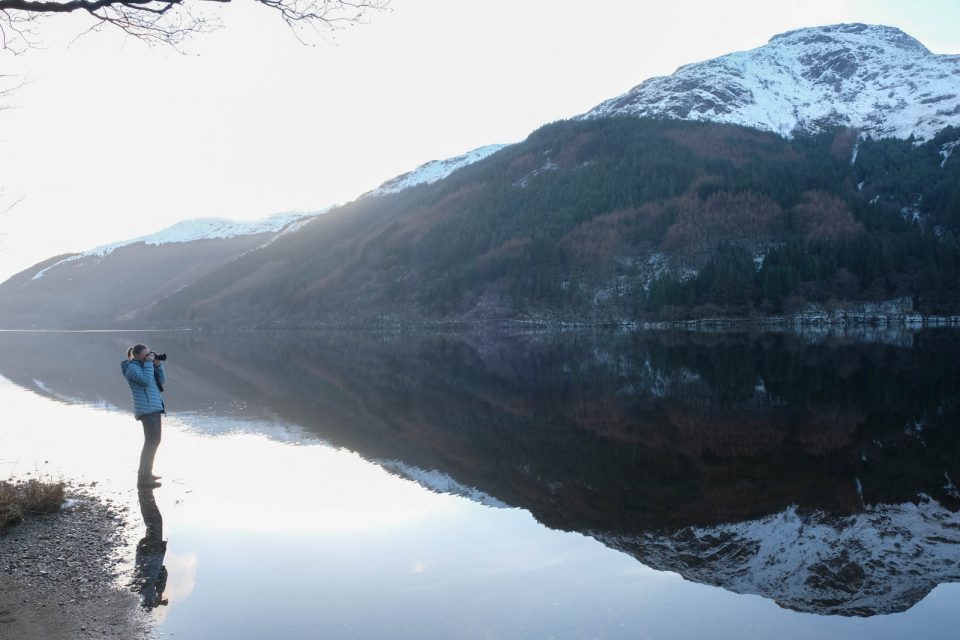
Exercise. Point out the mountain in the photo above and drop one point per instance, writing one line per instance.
(114, 284)
(614, 218)
(875, 79)
(191, 231)
(617, 219)
(108, 284)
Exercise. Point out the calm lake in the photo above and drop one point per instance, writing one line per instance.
(571, 485)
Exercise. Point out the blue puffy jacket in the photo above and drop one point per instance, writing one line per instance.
(143, 378)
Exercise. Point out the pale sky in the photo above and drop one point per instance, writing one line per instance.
(110, 139)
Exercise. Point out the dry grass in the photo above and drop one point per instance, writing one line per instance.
(18, 499)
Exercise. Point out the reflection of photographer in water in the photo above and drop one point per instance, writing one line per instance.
(149, 574)
(144, 373)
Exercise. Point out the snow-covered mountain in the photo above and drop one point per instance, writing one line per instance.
(433, 171)
(122, 281)
(880, 561)
(873, 78)
(198, 229)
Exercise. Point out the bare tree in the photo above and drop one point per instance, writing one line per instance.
(170, 21)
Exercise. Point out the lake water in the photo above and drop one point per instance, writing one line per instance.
(574, 485)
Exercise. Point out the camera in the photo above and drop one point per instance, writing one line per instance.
(161, 357)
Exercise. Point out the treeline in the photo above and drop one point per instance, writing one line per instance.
(670, 185)
(907, 208)
(867, 268)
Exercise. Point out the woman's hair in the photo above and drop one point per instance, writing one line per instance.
(136, 350)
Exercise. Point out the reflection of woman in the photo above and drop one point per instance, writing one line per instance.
(146, 377)
(149, 574)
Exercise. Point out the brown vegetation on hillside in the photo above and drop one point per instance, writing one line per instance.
(824, 217)
(743, 218)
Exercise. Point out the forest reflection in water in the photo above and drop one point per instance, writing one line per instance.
(814, 471)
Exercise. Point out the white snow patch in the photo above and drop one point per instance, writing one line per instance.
(950, 487)
(433, 171)
(760, 388)
(946, 150)
(911, 214)
(548, 165)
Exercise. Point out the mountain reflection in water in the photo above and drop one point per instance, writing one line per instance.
(815, 472)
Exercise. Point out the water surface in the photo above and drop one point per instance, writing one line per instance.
(570, 486)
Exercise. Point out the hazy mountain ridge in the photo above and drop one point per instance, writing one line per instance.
(193, 230)
(109, 284)
(872, 78)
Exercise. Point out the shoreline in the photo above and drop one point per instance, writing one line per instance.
(800, 322)
(61, 578)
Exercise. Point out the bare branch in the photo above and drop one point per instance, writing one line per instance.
(7, 91)
(13, 204)
(170, 22)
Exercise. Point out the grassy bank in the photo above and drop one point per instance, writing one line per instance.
(20, 498)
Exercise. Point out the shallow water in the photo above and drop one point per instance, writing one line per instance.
(541, 486)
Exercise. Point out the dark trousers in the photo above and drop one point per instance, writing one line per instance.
(151, 440)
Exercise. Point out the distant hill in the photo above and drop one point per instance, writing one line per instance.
(109, 285)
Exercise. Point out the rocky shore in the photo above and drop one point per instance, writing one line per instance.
(60, 575)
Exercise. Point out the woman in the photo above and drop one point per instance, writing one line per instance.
(144, 374)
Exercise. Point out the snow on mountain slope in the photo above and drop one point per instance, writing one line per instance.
(874, 78)
(199, 229)
(880, 561)
(433, 171)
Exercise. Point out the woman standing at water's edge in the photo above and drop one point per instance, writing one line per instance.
(146, 376)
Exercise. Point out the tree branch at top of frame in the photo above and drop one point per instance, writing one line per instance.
(171, 21)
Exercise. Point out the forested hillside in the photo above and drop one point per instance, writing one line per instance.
(619, 219)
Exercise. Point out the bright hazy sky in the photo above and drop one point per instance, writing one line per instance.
(110, 139)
